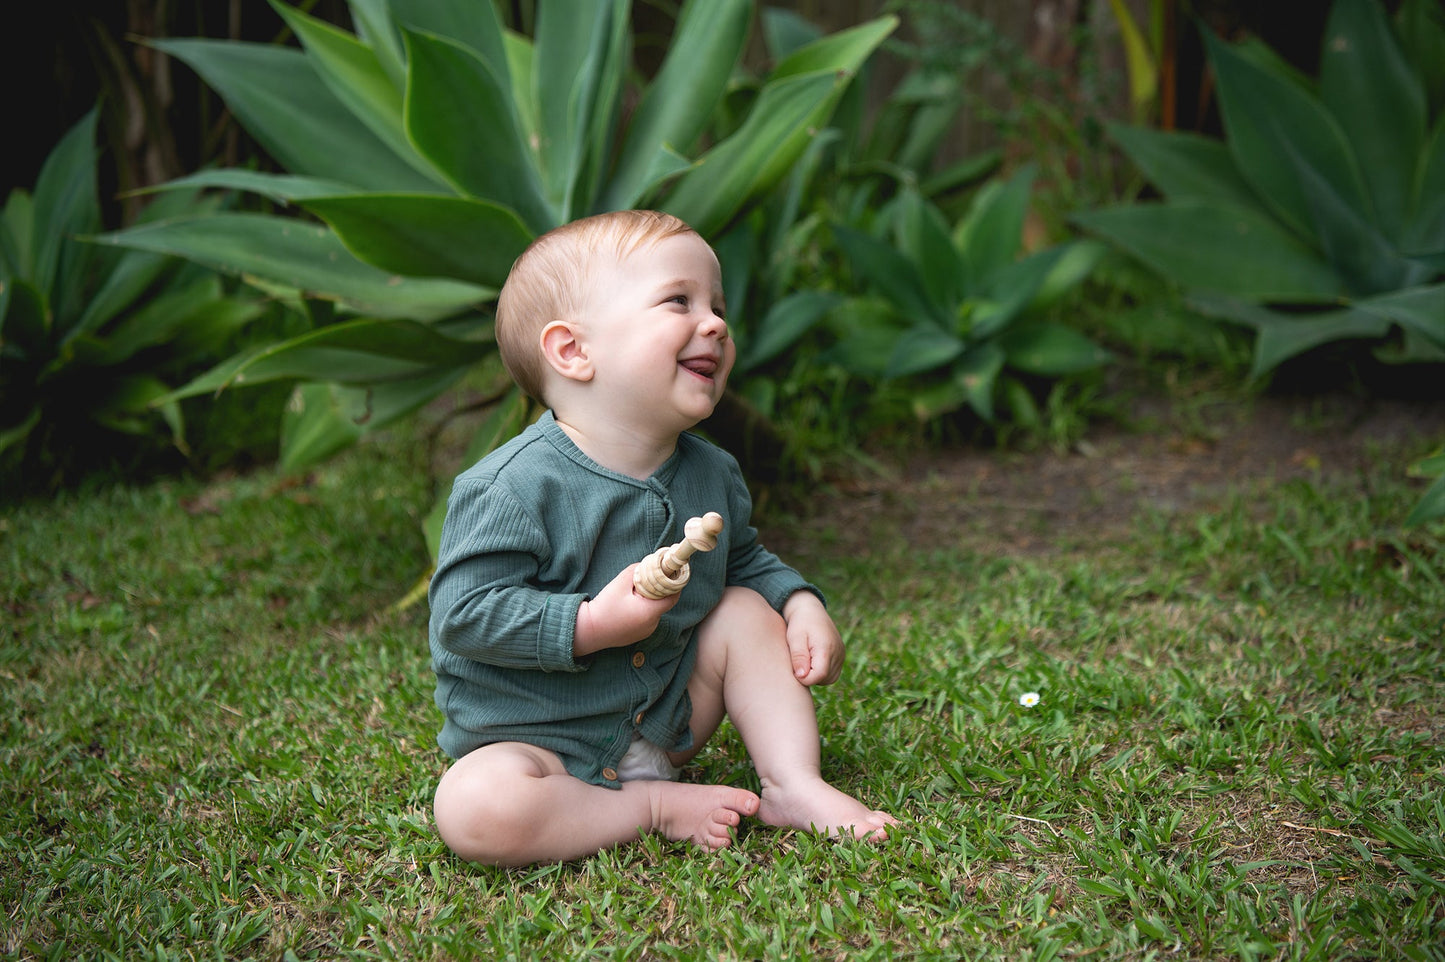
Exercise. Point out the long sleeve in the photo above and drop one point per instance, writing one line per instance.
(485, 600)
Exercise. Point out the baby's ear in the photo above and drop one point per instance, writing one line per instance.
(564, 352)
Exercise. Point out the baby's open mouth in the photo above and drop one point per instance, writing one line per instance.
(701, 366)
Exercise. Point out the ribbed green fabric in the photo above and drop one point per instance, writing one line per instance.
(531, 531)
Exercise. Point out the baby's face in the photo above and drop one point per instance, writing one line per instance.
(657, 337)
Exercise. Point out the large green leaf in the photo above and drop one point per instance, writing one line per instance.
(1266, 114)
(922, 348)
(422, 235)
(1422, 36)
(358, 352)
(1217, 247)
(576, 70)
(281, 188)
(679, 102)
(786, 117)
(1185, 166)
(924, 239)
(352, 72)
(1426, 232)
(486, 157)
(66, 203)
(1354, 245)
(1281, 336)
(1050, 349)
(892, 275)
(1376, 97)
(303, 256)
(1431, 504)
(1417, 309)
(786, 321)
(278, 97)
(991, 234)
(473, 25)
(845, 50)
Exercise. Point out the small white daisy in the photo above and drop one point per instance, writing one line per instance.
(1029, 699)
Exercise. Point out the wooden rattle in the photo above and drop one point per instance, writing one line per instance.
(664, 572)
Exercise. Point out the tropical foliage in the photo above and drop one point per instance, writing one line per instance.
(433, 144)
(93, 339)
(1321, 217)
(962, 307)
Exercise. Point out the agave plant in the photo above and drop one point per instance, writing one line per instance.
(93, 340)
(433, 144)
(960, 308)
(1321, 216)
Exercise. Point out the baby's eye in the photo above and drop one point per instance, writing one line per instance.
(678, 299)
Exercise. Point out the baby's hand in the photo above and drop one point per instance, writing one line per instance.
(813, 640)
(617, 617)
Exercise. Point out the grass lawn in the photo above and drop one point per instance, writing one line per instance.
(216, 738)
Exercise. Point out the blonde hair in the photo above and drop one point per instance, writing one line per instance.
(553, 277)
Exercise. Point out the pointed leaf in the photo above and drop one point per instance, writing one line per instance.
(1418, 309)
(893, 276)
(573, 59)
(1050, 350)
(922, 348)
(1370, 88)
(1430, 507)
(679, 102)
(845, 50)
(374, 27)
(1426, 231)
(281, 188)
(1354, 246)
(1185, 166)
(66, 203)
(977, 372)
(279, 99)
(1282, 336)
(421, 235)
(991, 234)
(1265, 114)
(786, 321)
(351, 71)
(923, 237)
(473, 25)
(485, 158)
(303, 256)
(1215, 247)
(1422, 36)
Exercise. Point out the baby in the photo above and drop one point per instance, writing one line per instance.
(570, 701)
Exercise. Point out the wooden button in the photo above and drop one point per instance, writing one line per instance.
(638, 719)
(610, 774)
(638, 660)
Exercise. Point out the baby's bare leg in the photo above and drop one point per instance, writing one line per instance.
(743, 669)
(514, 804)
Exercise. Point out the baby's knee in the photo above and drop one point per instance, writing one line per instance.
(484, 816)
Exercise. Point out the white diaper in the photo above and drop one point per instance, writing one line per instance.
(645, 762)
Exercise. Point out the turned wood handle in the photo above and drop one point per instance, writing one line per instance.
(665, 571)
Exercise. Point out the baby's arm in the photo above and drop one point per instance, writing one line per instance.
(618, 616)
(814, 643)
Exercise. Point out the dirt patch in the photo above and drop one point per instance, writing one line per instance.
(1163, 460)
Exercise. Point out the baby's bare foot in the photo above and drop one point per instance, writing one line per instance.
(704, 813)
(814, 805)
